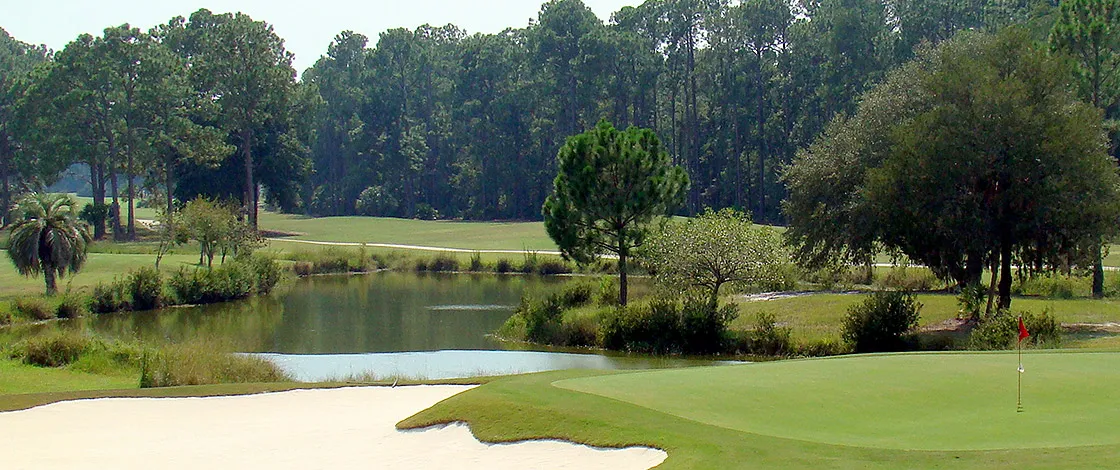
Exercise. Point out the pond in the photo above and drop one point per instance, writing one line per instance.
(420, 326)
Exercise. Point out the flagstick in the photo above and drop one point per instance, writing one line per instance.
(1019, 403)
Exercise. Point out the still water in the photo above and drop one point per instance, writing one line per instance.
(382, 325)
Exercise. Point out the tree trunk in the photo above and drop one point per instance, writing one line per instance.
(97, 184)
(1005, 276)
(131, 175)
(622, 279)
(248, 198)
(1098, 273)
(115, 208)
(48, 277)
(5, 182)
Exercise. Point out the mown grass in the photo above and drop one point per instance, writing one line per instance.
(99, 268)
(537, 406)
(529, 236)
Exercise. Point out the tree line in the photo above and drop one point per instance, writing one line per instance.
(434, 122)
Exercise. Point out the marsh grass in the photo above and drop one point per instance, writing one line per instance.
(203, 363)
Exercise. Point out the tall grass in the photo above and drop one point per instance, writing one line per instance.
(201, 363)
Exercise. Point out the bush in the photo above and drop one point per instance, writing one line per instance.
(909, 279)
(476, 263)
(529, 265)
(767, 338)
(266, 273)
(145, 286)
(543, 321)
(73, 306)
(5, 317)
(1054, 286)
(231, 281)
(607, 294)
(552, 267)
(881, 321)
(1001, 330)
(695, 325)
(52, 350)
(303, 268)
(34, 308)
(971, 300)
(503, 266)
(109, 298)
(442, 263)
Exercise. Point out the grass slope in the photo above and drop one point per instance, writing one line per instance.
(533, 406)
(466, 235)
(820, 316)
(100, 267)
(16, 377)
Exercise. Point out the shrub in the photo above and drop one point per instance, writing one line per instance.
(52, 350)
(145, 286)
(202, 364)
(579, 331)
(503, 266)
(909, 279)
(971, 300)
(230, 281)
(266, 273)
(443, 263)
(5, 317)
(529, 265)
(552, 267)
(109, 298)
(34, 308)
(995, 331)
(607, 294)
(703, 324)
(667, 326)
(767, 338)
(303, 268)
(1054, 286)
(476, 263)
(881, 321)
(73, 306)
(1001, 330)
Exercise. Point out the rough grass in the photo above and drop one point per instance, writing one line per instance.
(818, 317)
(537, 406)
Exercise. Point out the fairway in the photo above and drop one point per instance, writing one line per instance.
(930, 402)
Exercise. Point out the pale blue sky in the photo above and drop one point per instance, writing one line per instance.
(306, 26)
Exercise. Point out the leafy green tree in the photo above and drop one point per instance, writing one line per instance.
(714, 249)
(242, 66)
(1089, 30)
(611, 185)
(209, 223)
(17, 167)
(984, 157)
(48, 238)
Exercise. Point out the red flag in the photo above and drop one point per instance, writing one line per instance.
(1023, 334)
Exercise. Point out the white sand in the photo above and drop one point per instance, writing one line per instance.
(304, 429)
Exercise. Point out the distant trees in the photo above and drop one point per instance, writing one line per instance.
(977, 154)
(610, 186)
(432, 120)
(47, 238)
(1089, 31)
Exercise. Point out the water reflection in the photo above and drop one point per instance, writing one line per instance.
(434, 365)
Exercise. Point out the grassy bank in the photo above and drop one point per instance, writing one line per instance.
(818, 414)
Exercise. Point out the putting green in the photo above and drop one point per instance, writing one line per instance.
(948, 402)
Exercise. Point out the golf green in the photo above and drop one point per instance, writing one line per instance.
(946, 402)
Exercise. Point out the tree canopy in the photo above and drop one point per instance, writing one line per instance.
(610, 186)
(978, 153)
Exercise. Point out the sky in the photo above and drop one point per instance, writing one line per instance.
(306, 26)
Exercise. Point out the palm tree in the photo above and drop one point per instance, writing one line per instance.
(48, 238)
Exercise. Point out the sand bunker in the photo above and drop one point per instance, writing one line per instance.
(336, 429)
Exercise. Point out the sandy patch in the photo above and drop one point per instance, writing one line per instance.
(336, 429)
